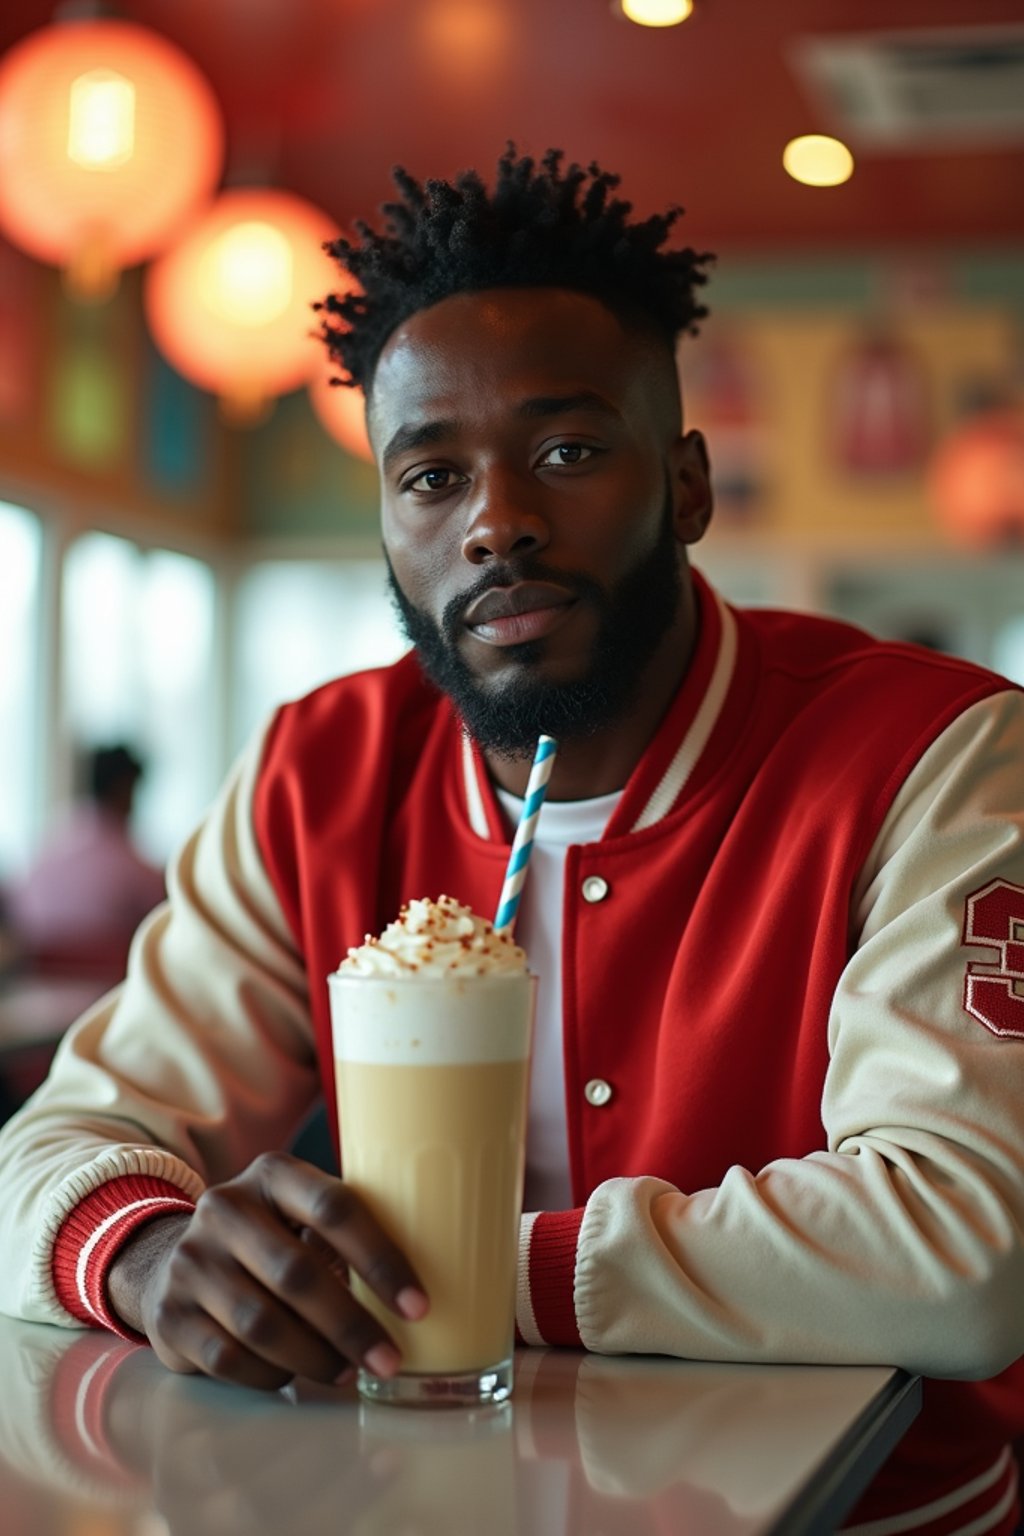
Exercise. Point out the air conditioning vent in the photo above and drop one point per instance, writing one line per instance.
(935, 89)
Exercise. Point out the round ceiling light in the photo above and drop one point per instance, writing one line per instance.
(657, 13)
(817, 160)
(110, 138)
(229, 305)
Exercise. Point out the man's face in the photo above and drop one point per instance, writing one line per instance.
(532, 507)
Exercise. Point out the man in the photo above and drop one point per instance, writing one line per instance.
(777, 1115)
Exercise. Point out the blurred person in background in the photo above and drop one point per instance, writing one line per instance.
(77, 906)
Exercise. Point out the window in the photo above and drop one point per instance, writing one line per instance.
(21, 547)
(138, 650)
(1008, 650)
(300, 622)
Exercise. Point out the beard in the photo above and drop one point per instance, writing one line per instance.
(507, 718)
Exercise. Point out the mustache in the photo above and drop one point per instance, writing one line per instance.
(507, 574)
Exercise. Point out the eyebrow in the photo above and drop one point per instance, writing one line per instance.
(415, 437)
(560, 405)
(536, 408)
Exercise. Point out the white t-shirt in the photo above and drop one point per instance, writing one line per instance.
(562, 824)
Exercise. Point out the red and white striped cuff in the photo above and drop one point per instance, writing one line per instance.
(546, 1277)
(92, 1235)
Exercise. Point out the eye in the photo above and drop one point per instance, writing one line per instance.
(433, 480)
(567, 454)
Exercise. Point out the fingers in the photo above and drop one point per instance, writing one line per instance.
(331, 1210)
(212, 1350)
(255, 1290)
(270, 1331)
(279, 1295)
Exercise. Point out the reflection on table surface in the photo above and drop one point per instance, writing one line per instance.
(96, 1436)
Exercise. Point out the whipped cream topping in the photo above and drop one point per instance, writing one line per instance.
(434, 939)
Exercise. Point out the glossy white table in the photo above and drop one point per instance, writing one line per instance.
(97, 1439)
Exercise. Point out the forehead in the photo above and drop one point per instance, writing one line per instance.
(474, 350)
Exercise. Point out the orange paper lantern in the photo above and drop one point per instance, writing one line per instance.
(229, 306)
(341, 411)
(109, 139)
(976, 481)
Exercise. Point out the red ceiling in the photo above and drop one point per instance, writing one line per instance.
(322, 96)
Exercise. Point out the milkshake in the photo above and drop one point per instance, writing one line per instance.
(432, 1027)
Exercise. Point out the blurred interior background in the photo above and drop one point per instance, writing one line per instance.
(188, 526)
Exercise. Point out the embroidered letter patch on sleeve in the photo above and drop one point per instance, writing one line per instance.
(994, 992)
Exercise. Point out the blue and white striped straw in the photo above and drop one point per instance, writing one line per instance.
(522, 843)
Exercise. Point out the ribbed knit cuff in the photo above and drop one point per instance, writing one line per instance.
(92, 1235)
(545, 1305)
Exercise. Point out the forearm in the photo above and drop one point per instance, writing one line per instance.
(136, 1264)
(854, 1258)
(860, 1257)
(76, 1184)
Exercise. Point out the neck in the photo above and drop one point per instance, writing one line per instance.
(601, 764)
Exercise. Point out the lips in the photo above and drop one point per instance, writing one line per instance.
(525, 611)
(523, 597)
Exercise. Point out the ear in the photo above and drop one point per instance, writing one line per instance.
(692, 498)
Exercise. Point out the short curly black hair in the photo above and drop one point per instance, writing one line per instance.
(539, 228)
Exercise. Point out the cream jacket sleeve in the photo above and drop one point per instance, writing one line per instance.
(201, 1059)
(903, 1242)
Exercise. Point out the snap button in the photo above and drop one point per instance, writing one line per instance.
(597, 1092)
(594, 888)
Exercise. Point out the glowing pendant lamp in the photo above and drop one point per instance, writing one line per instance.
(110, 138)
(229, 306)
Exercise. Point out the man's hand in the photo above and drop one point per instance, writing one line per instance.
(251, 1288)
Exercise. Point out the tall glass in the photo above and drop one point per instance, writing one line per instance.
(432, 1076)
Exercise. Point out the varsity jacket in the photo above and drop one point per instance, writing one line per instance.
(792, 1024)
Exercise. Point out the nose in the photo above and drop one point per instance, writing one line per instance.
(502, 524)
